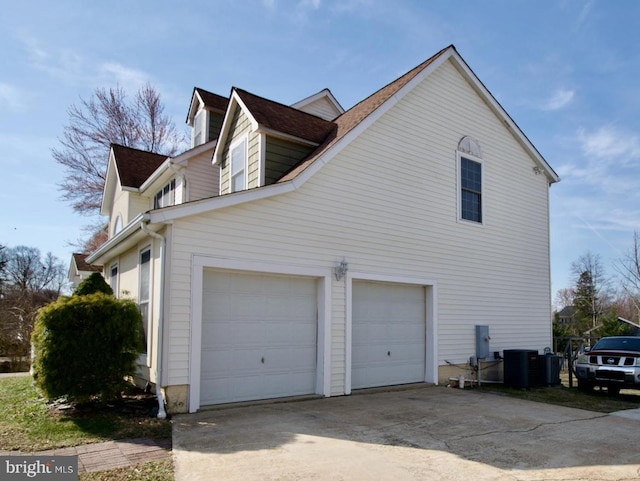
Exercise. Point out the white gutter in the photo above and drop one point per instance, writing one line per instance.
(162, 413)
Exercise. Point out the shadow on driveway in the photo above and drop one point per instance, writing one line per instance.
(430, 433)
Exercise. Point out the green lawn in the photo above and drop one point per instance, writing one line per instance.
(151, 471)
(28, 424)
(598, 400)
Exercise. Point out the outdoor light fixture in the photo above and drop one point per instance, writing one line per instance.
(537, 170)
(341, 269)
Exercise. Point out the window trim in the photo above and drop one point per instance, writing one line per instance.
(199, 123)
(459, 156)
(115, 266)
(234, 145)
(165, 199)
(148, 334)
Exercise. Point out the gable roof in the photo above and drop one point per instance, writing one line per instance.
(324, 94)
(281, 118)
(348, 126)
(356, 114)
(80, 261)
(210, 101)
(134, 166)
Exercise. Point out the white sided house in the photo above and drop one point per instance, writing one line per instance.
(305, 249)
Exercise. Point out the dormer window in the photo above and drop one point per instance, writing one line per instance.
(166, 196)
(239, 166)
(199, 128)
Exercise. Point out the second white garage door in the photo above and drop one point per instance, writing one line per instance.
(388, 334)
(259, 336)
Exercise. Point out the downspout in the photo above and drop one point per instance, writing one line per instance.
(162, 413)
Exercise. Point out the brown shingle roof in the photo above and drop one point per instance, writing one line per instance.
(285, 119)
(213, 101)
(356, 114)
(81, 263)
(135, 166)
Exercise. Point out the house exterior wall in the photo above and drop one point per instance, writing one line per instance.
(127, 205)
(387, 203)
(282, 156)
(203, 178)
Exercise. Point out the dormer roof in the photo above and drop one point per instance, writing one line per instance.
(209, 100)
(277, 117)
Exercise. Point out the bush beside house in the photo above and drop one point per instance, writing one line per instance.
(85, 345)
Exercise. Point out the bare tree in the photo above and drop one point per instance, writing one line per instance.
(30, 280)
(564, 298)
(109, 117)
(27, 270)
(592, 289)
(629, 269)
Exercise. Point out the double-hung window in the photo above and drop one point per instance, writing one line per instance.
(113, 279)
(470, 174)
(238, 156)
(166, 196)
(144, 295)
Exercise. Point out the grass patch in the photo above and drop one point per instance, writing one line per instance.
(151, 471)
(597, 401)
(28, 424)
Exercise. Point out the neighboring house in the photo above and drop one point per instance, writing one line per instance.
(567, 315)
(309, 250)
(79, 269)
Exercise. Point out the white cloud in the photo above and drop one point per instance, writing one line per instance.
(73, 68)
(608, 143)
(12, 98)
(560, 99)
(128, 78)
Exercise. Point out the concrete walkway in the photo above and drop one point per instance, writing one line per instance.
(110, 454)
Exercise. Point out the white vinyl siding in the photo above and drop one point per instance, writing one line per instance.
(321, 107)
(399, 219)
(203, 178)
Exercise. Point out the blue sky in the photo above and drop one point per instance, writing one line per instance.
(566, 71)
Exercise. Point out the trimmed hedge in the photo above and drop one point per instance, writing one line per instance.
(92, 284)
(85, 346)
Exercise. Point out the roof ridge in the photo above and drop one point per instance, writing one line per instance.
(114, 144)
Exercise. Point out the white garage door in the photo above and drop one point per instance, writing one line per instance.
(258, 336)
(388, 322)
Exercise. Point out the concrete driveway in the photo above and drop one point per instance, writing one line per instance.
(430, 433)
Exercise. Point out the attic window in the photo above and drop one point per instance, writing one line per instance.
(239, 166)
(199, 128)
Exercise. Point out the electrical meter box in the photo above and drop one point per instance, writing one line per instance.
(482, 342)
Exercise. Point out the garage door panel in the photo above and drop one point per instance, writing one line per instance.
(388, 334)
(259, 336)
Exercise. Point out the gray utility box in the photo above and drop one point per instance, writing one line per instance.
(549, 369)
(482, 342)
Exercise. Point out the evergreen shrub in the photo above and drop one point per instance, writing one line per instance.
(85, 346)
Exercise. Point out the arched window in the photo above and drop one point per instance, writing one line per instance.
(117, 227)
